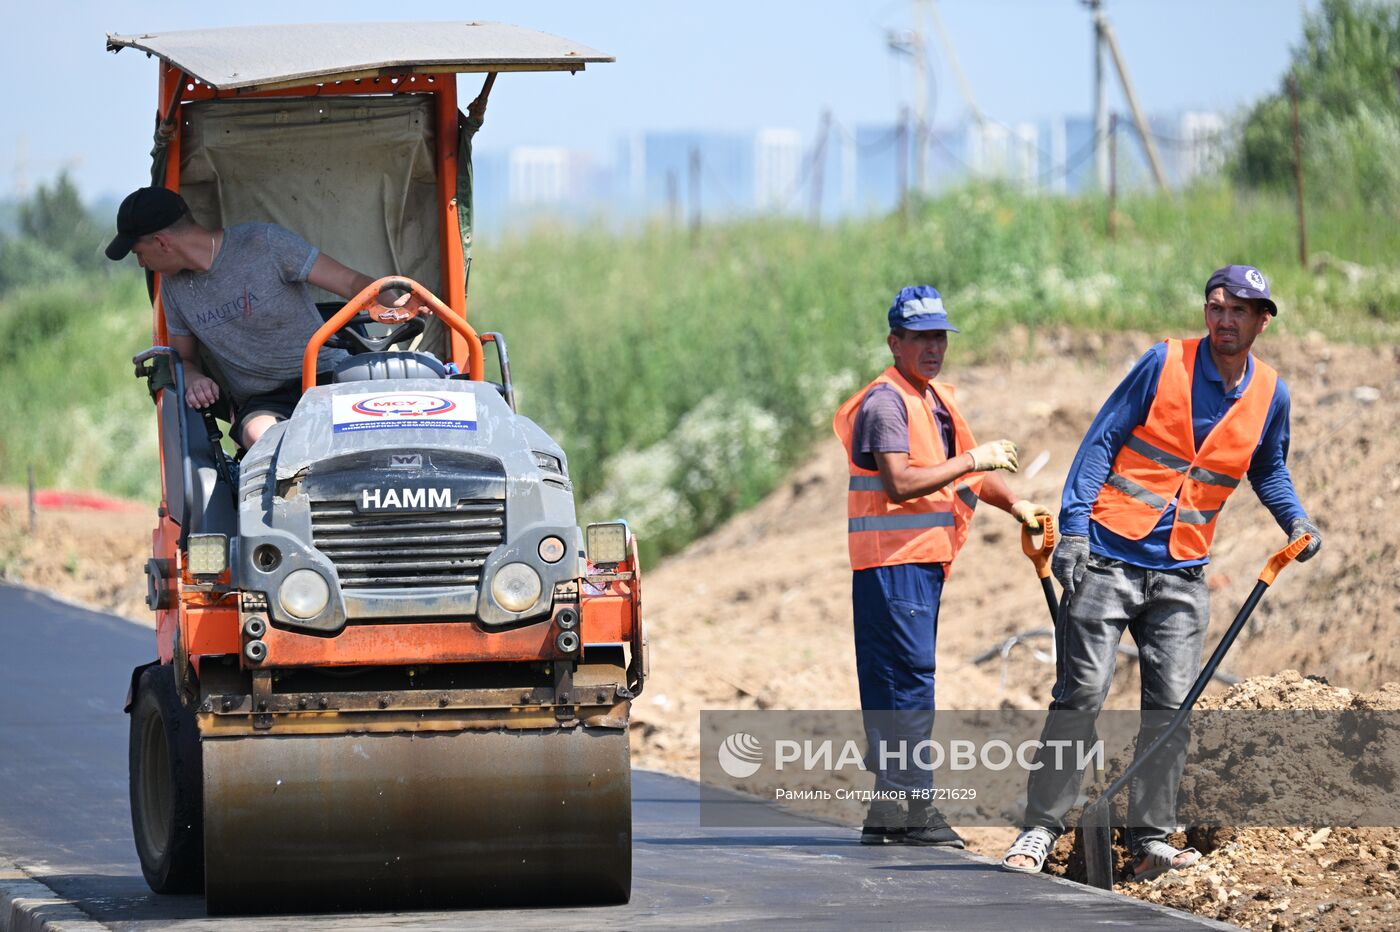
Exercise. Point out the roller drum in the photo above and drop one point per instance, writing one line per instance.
(421, 820)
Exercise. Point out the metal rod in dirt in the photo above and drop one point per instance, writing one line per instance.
(33, 509)
(1298, 173)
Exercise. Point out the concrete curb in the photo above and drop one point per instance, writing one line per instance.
(26, 905)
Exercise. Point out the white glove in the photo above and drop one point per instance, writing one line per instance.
(999, 454)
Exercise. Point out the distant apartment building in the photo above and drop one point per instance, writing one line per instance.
(670, 175)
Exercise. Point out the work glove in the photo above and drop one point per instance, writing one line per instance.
(1070, 560)
(1297, 529)
(999, 454)
(1029, 513)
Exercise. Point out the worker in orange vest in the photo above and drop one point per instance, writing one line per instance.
(1140, 505)
(916, 474)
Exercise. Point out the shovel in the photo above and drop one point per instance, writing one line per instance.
(1094, 826)
(1040, 556)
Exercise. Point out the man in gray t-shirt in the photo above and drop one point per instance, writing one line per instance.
(242, 293)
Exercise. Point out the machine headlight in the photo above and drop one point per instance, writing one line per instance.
(551, 550)
(515, 587)
(607, 543)
(208, 554)
(304, 594)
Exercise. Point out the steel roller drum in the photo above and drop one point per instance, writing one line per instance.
(395, 820)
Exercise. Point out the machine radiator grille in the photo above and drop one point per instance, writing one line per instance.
(408, 551)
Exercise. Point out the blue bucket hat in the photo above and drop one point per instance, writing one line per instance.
(919, 307)
(1243, 281)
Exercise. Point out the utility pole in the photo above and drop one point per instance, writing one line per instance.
(1100, 101)
(921, 126)
(1150, 147)
(694, 193)
(901, 166)
(1298, 173)
(1113, 178)
(819, 165)
(955, 66)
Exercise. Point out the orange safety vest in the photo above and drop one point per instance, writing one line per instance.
(927, 529)
(1159, 462)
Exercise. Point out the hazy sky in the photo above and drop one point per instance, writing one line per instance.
(718, 64)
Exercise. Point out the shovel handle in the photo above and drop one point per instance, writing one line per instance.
(1284, 557)
(1040, 552)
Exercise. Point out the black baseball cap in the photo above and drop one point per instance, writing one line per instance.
(145, 210)
(1243, 281)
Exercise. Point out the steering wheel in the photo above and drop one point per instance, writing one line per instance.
(356, 342)
(404, 314)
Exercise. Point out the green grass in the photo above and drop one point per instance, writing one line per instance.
(683, 378)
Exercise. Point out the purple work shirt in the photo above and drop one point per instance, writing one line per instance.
(882, 425)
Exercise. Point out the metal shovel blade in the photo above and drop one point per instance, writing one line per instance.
(1096, 835)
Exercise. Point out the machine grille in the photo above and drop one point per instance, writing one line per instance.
(408, 551)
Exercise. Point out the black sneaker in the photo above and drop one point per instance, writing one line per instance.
(884, 824)
(882, 835)
(928, 827)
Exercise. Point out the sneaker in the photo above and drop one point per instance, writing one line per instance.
(881, 835)
(884, 824)
(928, 827)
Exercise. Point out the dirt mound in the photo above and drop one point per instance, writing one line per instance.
(1318, 877)
(1314, 878)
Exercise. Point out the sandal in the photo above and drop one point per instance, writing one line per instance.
(1034, 843)
(1160, 857)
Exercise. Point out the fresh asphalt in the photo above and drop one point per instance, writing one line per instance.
(65, 821)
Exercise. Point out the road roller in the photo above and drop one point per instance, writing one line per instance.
(392, 671)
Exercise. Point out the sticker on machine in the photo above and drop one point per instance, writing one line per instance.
(403, 410)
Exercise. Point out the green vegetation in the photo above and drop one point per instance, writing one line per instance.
(56, 240)
(684, 378)
(1348, 109)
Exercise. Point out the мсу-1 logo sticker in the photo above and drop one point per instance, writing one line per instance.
(388, 410)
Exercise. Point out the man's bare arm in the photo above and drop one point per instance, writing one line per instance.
(337, 278)
(200, 390)
(903, 482)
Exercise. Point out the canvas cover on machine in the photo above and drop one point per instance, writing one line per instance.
(354, 176)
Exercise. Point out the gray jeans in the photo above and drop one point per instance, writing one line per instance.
(1167, 612)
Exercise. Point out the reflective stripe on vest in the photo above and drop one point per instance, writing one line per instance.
(1177, 464)
(901, 522)
(927, 529)
(1159, 463)
(873, 484)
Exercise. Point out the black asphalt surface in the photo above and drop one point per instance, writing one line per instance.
(65, 821)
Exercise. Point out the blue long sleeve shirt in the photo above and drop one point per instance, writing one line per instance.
(1126, 409)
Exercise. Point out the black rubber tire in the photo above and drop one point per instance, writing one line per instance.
(165, 764)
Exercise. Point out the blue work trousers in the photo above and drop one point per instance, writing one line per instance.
(896, 633)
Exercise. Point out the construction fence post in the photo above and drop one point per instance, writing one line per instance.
(694, 194)
(1113, 177)
(1298, 173)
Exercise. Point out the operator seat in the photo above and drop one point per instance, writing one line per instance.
(375, 367)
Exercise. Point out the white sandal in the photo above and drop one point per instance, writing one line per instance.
(1161, 857)
(1034, 843)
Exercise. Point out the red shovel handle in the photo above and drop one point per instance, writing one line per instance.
(1284, 557)
(1038, 545)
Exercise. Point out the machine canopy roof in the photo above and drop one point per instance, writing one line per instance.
(263, 57)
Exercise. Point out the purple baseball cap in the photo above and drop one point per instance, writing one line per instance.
(919, 307)
(1243, 281)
